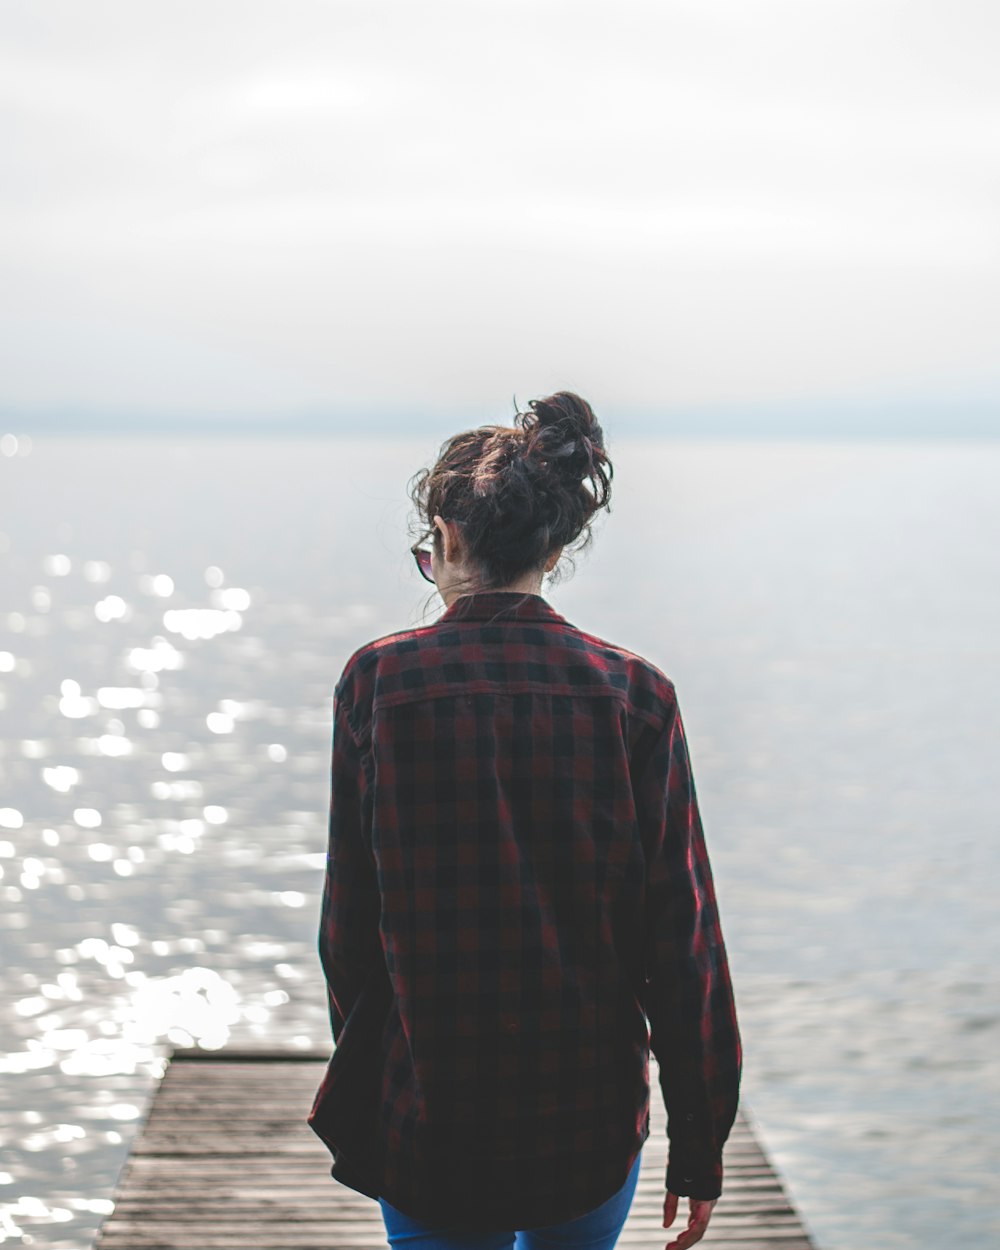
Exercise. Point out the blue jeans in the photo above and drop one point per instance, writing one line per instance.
(597, 1230)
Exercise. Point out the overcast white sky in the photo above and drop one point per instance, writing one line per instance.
(421, 204)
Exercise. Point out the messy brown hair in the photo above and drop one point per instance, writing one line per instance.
(519, 492)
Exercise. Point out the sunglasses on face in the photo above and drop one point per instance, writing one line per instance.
(422, 556)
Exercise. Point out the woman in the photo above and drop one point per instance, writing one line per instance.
(518, 901)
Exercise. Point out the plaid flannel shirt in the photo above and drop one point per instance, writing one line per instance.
(518, 906)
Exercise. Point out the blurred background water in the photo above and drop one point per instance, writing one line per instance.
(174, 615)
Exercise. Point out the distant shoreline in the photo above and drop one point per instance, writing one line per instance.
(853, 424)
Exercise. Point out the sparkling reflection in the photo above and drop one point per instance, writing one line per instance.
(161, 585)
(161, 655)
(96, 570)
(58, 565)
(195, 623)
(121, 696)
(61, 777)
(114, 745)
(231, 598)
(73, 704)
(112, 608)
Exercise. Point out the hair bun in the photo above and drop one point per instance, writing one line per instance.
(562, 427)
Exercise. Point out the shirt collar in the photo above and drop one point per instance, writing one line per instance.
(507, 605)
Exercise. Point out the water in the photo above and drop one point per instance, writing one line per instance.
(174, 615)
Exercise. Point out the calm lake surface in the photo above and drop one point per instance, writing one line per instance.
(174, 616)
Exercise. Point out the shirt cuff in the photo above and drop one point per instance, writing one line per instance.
(688, 1181)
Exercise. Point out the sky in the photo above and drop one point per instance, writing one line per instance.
(255, 209)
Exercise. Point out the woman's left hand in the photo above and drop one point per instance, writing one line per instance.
(699, 1213)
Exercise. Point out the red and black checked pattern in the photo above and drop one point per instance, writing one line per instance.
(518, 905)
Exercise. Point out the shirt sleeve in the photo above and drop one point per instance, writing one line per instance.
(349, 943)
(688, 995)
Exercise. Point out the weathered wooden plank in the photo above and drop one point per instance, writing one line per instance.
(243, 1238)
(246, 1208)
(173, 1137)
(325, 1236)
(225, 1161)
(211, 1104)
(248, 1201)
(330, 1233)
(304, 1166)
(266, 1119)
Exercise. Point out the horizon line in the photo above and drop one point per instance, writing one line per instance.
(831, 420)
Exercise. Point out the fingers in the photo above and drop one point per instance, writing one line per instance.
(700, 1214)
(669, 1209)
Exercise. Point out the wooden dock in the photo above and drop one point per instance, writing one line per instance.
(225, 1161)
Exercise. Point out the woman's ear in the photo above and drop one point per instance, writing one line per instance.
(447, 537)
